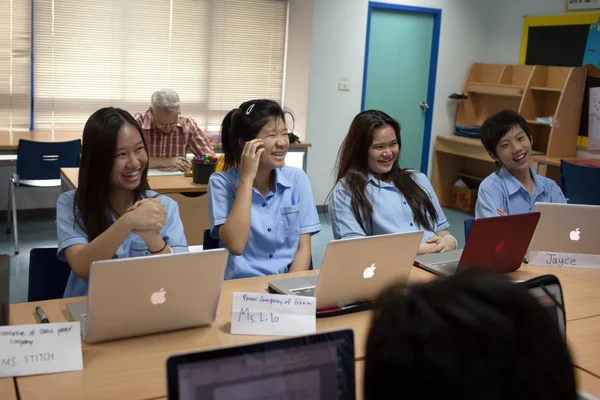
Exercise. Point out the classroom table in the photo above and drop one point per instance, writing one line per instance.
(583, 336)
(160, 184)
(9, 140)
(7, 389)
(135, 368)
(550, 166)
(587, 382)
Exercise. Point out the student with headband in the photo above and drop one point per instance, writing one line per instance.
(261, 210)
(374, 196)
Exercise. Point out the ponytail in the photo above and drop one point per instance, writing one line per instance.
(227, 141)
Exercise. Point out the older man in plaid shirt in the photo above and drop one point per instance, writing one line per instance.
(169, 134)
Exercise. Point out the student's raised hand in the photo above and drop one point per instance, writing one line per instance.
(148, 215)
(501, 212)
(250, 159)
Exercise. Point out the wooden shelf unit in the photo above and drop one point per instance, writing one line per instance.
(531, 90)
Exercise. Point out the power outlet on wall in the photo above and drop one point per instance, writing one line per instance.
(344, 85)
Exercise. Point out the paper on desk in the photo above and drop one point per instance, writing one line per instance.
(158, 172)
(272, 314)
(40, 349)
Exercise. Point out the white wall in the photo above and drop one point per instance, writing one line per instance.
(337, 51)
(298, 62)
(505, 33)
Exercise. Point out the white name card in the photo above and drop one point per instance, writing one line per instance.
(40, 349)
(565, 260)
(272, 314)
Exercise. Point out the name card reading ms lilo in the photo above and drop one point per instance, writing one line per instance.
(565, 260)
(272, 314)
(40, 349)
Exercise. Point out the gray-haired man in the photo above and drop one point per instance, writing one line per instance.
(169, 134)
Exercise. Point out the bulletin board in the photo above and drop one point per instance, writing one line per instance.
(569, 40)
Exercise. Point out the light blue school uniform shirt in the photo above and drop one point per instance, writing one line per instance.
(70, 233)
(276, 220)
(502, 190)
(391, 212)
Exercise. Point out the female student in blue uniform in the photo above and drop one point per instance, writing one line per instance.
(262, 211)
(113, 213)
(374, 196)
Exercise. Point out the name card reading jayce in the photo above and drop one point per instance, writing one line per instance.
(40, 349)
(565, 260)
(272, 314)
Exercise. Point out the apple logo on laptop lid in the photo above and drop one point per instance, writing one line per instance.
(158, 297)
(499, 247)
(574, 235)
(369, 272)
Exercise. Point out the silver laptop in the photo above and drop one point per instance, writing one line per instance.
(143, 295)
(356, 270)
(566, 236)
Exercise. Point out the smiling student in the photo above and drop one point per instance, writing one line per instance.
(113, 213)
(515, 188)
(374, 196)
(262, 211)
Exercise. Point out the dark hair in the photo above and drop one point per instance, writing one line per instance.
(473, 336)
(353, 166)
(245, 122)
(495, 127)
(91, 207)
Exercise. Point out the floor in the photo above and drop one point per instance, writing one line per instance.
(41, 232)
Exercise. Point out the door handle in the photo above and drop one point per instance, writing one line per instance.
(424, 106)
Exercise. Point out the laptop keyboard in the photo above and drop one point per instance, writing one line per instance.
(306, 292)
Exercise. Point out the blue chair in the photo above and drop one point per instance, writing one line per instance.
(47, 275)
(38, 165)
(210, 243)
(580, 184)
(468, 225)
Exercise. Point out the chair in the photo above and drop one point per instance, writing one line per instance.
(38, 165)
(468, 225)
(47, 275)
(580, 183)
(212, 243)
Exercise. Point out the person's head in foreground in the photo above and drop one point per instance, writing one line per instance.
(474, 335)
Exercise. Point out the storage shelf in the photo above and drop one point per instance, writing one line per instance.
(545, 89)
(495, 89)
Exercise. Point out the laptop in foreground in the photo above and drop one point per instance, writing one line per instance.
(319, 366)
(568, 235)
(497, 243)
(355, 270)
(143, 295)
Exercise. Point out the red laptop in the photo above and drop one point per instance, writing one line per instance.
(497, 243)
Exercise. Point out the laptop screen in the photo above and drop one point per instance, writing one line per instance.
(314, 367)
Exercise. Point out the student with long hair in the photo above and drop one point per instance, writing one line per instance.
(374, 196)
(261, 210)
(473, 336)
(113, 213)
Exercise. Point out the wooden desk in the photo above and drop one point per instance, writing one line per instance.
(456, 157)
(580, 288)
(160, 184)
(359, 373)
(135, 368)
(9, 141)
(7, 389)
(550, 166)
(584, 341)
(587, 382)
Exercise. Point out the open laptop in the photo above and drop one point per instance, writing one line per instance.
(567, 236)
(355, 270)
(143, 295)
(497, 243)
(319, 366)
